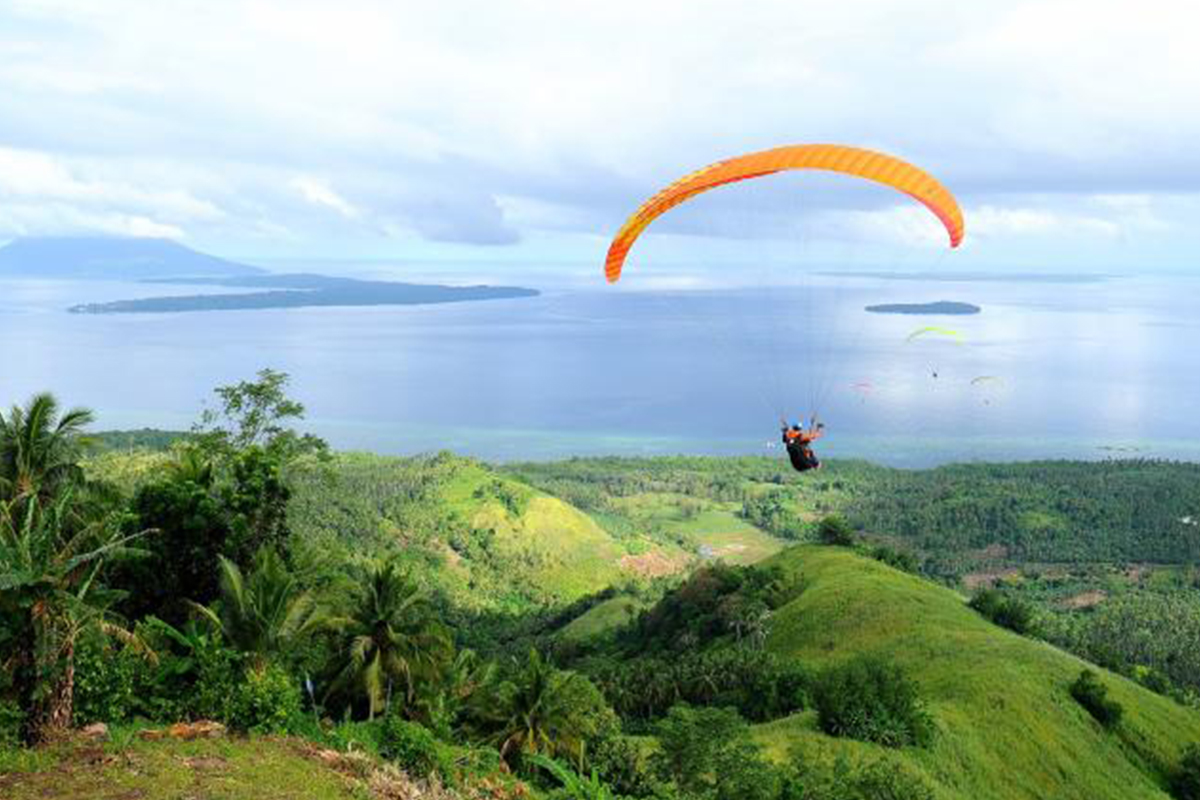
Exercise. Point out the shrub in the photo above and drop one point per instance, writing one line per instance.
(350, 736)
(12, 722)
(709, 752)
(265, 701)
(195, 675)
(413, 747)
(1156, 681)
(900, 559)
(886, 779)
(106, 683)
(855, 780)
(218, 674)
(835, 530)
(1185, 782)
(624, 765)
(1007, 612)
(772, 513)
(871, 700)
(1090, 693)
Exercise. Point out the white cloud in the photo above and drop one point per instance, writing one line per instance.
(989, 221)
(50, 219)
(42, 194)
(1095, 217)
(317, 193)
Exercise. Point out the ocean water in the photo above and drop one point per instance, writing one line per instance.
(1081, 370)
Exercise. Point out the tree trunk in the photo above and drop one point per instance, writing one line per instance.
(57, 707)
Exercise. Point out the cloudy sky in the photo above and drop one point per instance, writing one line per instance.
(518, 135)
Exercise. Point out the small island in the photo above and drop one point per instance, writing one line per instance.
(302, 291)
(939, 307)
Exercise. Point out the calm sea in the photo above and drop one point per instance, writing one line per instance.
(1092, 370)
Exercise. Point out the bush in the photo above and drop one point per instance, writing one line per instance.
(856, 780)
(1090, 693)
(899, 559)
(624, 765)
(885, 779)
(414, 748)
(349, 736)
(835, 530)
(12, 722)
(1007, 612)
(772, 513)
(216, 681)
(709, 752)
(106, 683)
(873, 701)
(265, 701)
(195, 676)
(1185, 782)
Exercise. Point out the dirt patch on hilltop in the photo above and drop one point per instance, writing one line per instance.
(1085, 600)
(653, 564)
(990, 577)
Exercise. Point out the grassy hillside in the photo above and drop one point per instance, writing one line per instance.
(488, 541)
(600, 618)
(1007, 726)
(232, 768)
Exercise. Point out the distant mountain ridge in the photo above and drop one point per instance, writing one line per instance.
(112, 258)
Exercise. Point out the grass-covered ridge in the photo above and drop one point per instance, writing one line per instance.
(1007, 726)
(230, 768)
(486, 540)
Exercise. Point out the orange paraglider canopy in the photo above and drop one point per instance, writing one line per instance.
(869, 164)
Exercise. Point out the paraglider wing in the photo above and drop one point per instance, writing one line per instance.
(934, 330)
(986, 379)
(856, 161)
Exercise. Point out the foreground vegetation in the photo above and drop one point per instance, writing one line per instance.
(592, 629)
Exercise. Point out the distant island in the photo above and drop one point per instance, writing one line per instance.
(938, 307)
(111, 258)
(302, 290)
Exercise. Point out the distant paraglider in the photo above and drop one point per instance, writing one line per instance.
(936, 331)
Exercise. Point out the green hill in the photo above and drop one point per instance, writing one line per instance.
(489, 542)
(1007, 726)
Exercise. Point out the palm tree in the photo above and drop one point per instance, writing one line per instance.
(191, 464)
(263, 613)
(39, 449)
(543, 711)
(49, 561)
(390, 638)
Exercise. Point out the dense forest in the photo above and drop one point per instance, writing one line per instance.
(597, 628)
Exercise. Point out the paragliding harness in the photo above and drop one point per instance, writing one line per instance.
(799, 445)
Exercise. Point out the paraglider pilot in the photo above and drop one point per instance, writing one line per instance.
(799, 444)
